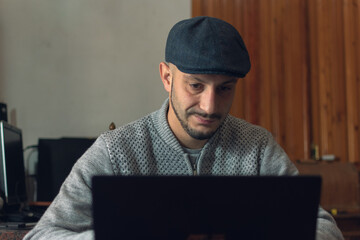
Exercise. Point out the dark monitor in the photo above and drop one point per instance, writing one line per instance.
(56, 159)
(12, 171)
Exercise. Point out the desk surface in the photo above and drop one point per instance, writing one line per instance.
(14, 233)
(17, 234)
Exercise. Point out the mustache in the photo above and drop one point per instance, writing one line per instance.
(204, 115)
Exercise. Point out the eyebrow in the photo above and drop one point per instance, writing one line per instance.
(233, 80)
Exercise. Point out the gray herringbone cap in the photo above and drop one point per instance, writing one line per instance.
(207, 45)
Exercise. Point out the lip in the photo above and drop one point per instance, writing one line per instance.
(204, 121)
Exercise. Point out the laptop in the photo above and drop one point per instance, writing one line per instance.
(205, 208)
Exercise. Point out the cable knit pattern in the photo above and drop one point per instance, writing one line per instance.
(148, 147)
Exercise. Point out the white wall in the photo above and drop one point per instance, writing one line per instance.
(70, 67)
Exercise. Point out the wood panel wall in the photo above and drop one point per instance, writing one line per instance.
(304, 83)
(351, 11)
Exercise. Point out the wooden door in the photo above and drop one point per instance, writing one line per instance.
(304, 83)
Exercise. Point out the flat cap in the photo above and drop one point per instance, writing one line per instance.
(207, 45)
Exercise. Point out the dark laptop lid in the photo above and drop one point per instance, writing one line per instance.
(205, 207)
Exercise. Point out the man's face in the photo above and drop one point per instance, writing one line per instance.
(199, 102)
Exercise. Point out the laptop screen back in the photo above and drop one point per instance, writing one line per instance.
(205, 207)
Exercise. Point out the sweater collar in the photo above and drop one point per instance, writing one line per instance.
(162, 126)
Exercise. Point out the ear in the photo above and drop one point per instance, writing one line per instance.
(166, 76)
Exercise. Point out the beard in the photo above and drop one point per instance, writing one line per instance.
(184, 119)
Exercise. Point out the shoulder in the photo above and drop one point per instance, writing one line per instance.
(136, 129)
(241, 129)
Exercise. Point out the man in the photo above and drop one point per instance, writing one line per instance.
(191, 134)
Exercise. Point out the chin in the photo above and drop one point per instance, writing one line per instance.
(201, 135)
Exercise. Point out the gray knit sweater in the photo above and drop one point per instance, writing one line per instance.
(148, 147)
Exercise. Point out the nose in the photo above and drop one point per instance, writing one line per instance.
(208, 101)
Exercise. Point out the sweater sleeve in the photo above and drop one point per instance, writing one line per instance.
(276, 162)
(69, 215)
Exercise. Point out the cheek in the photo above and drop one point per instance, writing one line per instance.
(227, 102)
(188, 100)
(183, 100)
(189, 104)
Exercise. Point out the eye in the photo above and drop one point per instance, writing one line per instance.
(195, 86)
(225, 88)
